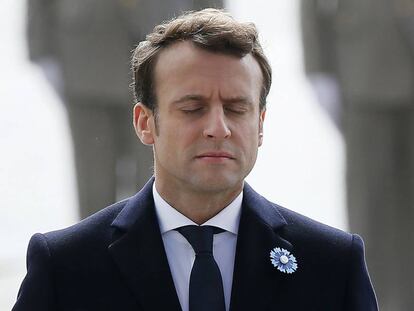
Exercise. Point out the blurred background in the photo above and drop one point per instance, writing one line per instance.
(338, 136)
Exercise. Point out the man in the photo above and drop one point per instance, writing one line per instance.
(201, 83)
(364, 51)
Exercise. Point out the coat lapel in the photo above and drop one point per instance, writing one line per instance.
(139, 253)
(256, 283)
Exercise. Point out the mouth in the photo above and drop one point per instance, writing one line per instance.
(215, 156)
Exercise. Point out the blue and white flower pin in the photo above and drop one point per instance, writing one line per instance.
(283, 260)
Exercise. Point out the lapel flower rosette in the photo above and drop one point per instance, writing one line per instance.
(283, 260)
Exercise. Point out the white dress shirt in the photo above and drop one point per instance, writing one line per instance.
(180, 253)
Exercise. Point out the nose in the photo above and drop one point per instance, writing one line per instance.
(216, 125)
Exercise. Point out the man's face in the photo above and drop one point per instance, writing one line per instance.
(208, 124)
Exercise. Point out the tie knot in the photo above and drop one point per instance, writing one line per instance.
(200, 237)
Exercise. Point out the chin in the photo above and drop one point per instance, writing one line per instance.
(215, 183)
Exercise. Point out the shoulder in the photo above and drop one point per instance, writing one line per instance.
(326, 252)
(64, 255)
(91, 234)
(332, 255)
(318, 237)
(299, 230)
(329, 260)
(303, 227)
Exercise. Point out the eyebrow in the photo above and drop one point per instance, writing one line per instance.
(189, 97)
(238, 100)
(231, 100)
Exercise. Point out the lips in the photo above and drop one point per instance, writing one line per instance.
(216, 155)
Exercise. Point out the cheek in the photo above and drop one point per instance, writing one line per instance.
(248, 132)
(248, 141)
(186, 134)
(174, 141)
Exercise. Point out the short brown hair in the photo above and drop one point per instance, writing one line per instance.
(210, 29)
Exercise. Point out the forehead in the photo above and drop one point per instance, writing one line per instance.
(184, 67)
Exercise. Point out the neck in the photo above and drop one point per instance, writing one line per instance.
(196, 205)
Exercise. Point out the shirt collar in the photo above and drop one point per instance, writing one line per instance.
(169, 218)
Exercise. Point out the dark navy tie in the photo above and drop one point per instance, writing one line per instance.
(206, 286)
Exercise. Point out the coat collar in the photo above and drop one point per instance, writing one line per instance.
(139, 253)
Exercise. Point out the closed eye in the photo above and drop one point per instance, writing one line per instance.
(192, 110)
(236, 110)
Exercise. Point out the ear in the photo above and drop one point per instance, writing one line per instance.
(144, 124)
(261, 121)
